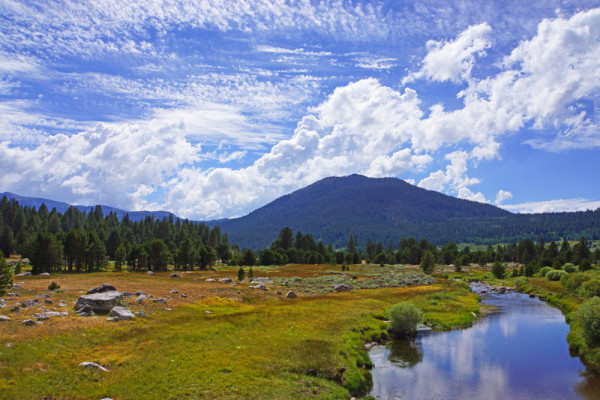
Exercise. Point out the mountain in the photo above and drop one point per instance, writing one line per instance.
(389, 209)
(62, 207)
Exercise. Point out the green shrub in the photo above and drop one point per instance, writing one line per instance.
(18, 268)
(568, 267)
(498, 270)
(53, 286)
(585, 264)
(404, 318)
(587, 317)
(573, 281)
(462, 285)
(241, 274)
(542, 272)
(555, 275)
(521, 281)
(590, 288)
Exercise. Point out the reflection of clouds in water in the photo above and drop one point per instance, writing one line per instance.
(510, 355)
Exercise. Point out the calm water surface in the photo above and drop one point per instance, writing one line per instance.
(521, 352)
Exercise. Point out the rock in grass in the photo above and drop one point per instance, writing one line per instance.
(28, 322)
(41, 316)
(160, 300)
(16, 287)
(121, 313)
(174, 275)
(261, 280)
(30, 303)
(44, 274)
(226, 280)
(140, 314)
(4, 318)
(15, 308)
(140, 293)
(105, 287)
(2, 303)
(140, 299)
(150, 273)
(99, 302)
(92, 365)
(338, 287)
(211, 280)
(291, 295)
(173, 291)
(127, 294)
(24, 274)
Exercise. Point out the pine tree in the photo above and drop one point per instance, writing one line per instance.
(5, 276)
(428, 262)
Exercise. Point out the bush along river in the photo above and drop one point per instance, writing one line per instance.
(518, 352)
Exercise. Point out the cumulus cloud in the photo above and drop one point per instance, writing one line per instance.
(455, 175)
(502, 196)
(453, 60)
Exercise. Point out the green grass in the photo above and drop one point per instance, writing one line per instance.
(220, 348)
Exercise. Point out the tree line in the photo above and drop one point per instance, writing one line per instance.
(80, 241)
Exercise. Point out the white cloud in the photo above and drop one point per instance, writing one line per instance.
(376, 63)
(455, 176)
(299, 51)
(502, 196)
(453, 60)
(553, 206)
(467, 194)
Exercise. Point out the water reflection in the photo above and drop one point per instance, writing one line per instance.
(518, 353)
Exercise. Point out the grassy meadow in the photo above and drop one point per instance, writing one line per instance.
(221, 341)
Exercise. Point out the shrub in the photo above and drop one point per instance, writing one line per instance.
(573, 281)
(590, 288)
(585, 264)
(53, 286)
(568, 267)
(555, 275)
(250, 273)
(428, 262)
(241, 274)
(498, 270)
(18, 268)
(521, 281)
(462, 285)
(588, 317)
(404, 318)
(542, 272)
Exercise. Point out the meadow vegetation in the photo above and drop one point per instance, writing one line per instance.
(220, 341)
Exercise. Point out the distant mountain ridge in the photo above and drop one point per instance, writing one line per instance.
(389, 209)
(62, 207)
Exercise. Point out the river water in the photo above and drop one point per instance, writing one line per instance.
(519, 352)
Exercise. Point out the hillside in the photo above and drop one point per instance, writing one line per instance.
(61, 207)
(388, 209)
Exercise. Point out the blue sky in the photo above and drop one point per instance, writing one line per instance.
(212, 109)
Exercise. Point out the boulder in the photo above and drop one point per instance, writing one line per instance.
(4, 318)
(140, 314)
(41, 316)
(127, 294)
(105, 287)
(44, 274)
(30, 303)
(211, 280)
(174, 275)
(140, 293)
(28, 322)
(43, 296)
(261, 280)
(338, 287)
(47, 301)
(260, 287)
(99, 302)
(119, 313)
(16, 287)
(24, 274)
(226, 280)
(2, 303)
(183, 295)
(160, 300)
(291, 295)
(286, 283)
(15, 294)
(150, 273)
(92, 365)
(173, 291)
(15, 308)
(140, 299)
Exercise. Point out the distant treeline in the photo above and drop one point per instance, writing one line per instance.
(80, 241)
(302, 248)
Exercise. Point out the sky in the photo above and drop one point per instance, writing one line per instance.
(211, 109)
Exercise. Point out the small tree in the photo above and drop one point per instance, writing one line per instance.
(404, 318)
(241, 274)
(428, 262)
(588, 317)
(5, 276)
(249, 258)
(120, 257)
(498, 270)
(250, 273)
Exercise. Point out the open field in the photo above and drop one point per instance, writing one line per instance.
(221, 341)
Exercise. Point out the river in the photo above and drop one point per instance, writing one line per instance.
(519, 352)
